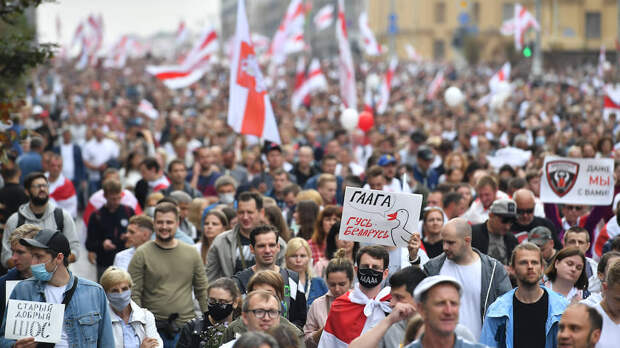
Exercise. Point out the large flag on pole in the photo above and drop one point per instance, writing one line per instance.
(249, 108)
(289, 32)
(519, 24)
(345, 62)
(386, 86)
(369, 42)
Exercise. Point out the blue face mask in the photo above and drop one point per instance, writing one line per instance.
(119, 300)
(40, 273)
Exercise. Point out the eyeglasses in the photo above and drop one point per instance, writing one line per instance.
(525, 211)
(40, 186)
(213, 301)
(260, 313)
(507, 220)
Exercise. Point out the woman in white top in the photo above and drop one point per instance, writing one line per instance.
(132, 325)
(566, 274)
(213, 223)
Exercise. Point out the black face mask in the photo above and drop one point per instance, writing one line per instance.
(369, 278)
(220, 311)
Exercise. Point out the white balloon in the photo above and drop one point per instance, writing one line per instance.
(349, 119)
(454, 96)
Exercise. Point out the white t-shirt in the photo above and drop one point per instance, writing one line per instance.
(470, 277)
(68, 166)
(98, 153)
(55, 294)
(610, 335)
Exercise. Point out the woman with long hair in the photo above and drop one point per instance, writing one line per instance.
(130, 172)
(214, 223)
(333, 244)
(326, 219)
(305, 216)
(566, 274)
(432, 222)
(298, 259)
(274, 217)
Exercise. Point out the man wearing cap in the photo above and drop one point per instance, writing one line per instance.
(527, 316)
(86, 317)
(422, 171)
(526, 220)
(439, 299)
(484, 275)
(410, 154)
(541, 236)
(493, 236)
(388, 163)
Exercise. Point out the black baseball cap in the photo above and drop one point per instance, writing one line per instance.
(49, 239)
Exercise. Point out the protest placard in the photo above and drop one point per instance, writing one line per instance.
(10, 285)
(40, 320)
(379, 217)
(582, 181)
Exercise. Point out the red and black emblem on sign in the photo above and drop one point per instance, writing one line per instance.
(561, 176)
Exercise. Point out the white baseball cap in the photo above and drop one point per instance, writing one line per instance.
(430, 282)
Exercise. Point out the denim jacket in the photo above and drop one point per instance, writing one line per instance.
(497, 330)
(87, 316)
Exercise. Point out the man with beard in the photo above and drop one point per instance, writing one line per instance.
(580, 327)
(40, 212)
(527, 316)
(164, 271)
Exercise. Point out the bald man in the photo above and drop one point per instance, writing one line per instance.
(486, 277)
(526, 220)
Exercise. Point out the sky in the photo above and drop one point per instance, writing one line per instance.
(139, 17)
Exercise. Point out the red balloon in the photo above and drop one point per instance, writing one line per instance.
(366, 121)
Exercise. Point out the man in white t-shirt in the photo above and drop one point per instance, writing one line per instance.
(97, 152)
(485, 277)
(609, 308)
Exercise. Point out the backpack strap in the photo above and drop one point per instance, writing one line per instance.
(60, 219)
(21, 219)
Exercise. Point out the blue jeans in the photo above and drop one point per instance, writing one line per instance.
(169, 343)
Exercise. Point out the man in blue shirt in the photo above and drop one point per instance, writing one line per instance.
(31, 161)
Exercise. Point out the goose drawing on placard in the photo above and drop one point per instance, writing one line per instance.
(399, 231)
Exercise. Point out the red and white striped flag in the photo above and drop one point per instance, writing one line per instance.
(412, 54)
(117, 57)
(386, 86)
(290, 28)
(62, 192)
(346, 69)
(611, 101)
(369, 42)
(500, 76)
(306, 84)
(601, 62)
(523, 20)
(435, 85)
(148, 109)
(324, 17)
(261, 42)
(249, 107)
(182, 33)
(97, 200)
(299, 96)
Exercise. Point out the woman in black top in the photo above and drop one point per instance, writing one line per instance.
(224, 307)
(433, 220)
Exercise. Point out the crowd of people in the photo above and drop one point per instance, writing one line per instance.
(201, 237)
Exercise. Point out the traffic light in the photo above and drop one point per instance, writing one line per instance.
(528, 50)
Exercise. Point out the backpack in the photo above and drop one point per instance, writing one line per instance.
(58, 217)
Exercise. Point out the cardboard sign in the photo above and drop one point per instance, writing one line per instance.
(40, 320)
(10, 285)
(577, 181)
(379, 217)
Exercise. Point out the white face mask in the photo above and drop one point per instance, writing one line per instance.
(227, 198)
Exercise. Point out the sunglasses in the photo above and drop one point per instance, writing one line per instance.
(507, 220)
(525, 211)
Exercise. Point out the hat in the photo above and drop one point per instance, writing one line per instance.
(385, 160)
(430, 282)
(48, 239)
(504, 207)
(270, 147)
(425, 153)
(539, 235)
(418, 137)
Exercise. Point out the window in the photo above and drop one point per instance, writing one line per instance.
(440, 12)
(593, 25)
(475, 12)
(508, 11)
(439, 49)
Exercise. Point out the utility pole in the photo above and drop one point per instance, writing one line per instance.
(392, 26)
(537, 64)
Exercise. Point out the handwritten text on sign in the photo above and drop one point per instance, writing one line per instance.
(379, 217)
(40, 320)
(582, 181)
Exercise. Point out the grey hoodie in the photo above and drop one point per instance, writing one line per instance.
(46, 221)
(495, 281)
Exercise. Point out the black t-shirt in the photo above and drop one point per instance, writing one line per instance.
(433, 249)
(529, 322)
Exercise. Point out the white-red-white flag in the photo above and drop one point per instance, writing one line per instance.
(117, 57)
(307, 83)
(324, 17)
(182, 33)
(148, 109)
(299, 96)
(386, 86)
(435, 85)
(290, 28)
(611, 101)
(601, 62)
(261, 42)
(522, 21)
(203, 49)
(315, 79)
(346, 70)
(369, 42)
(249, 107)
(412, 54)
(502, 75)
